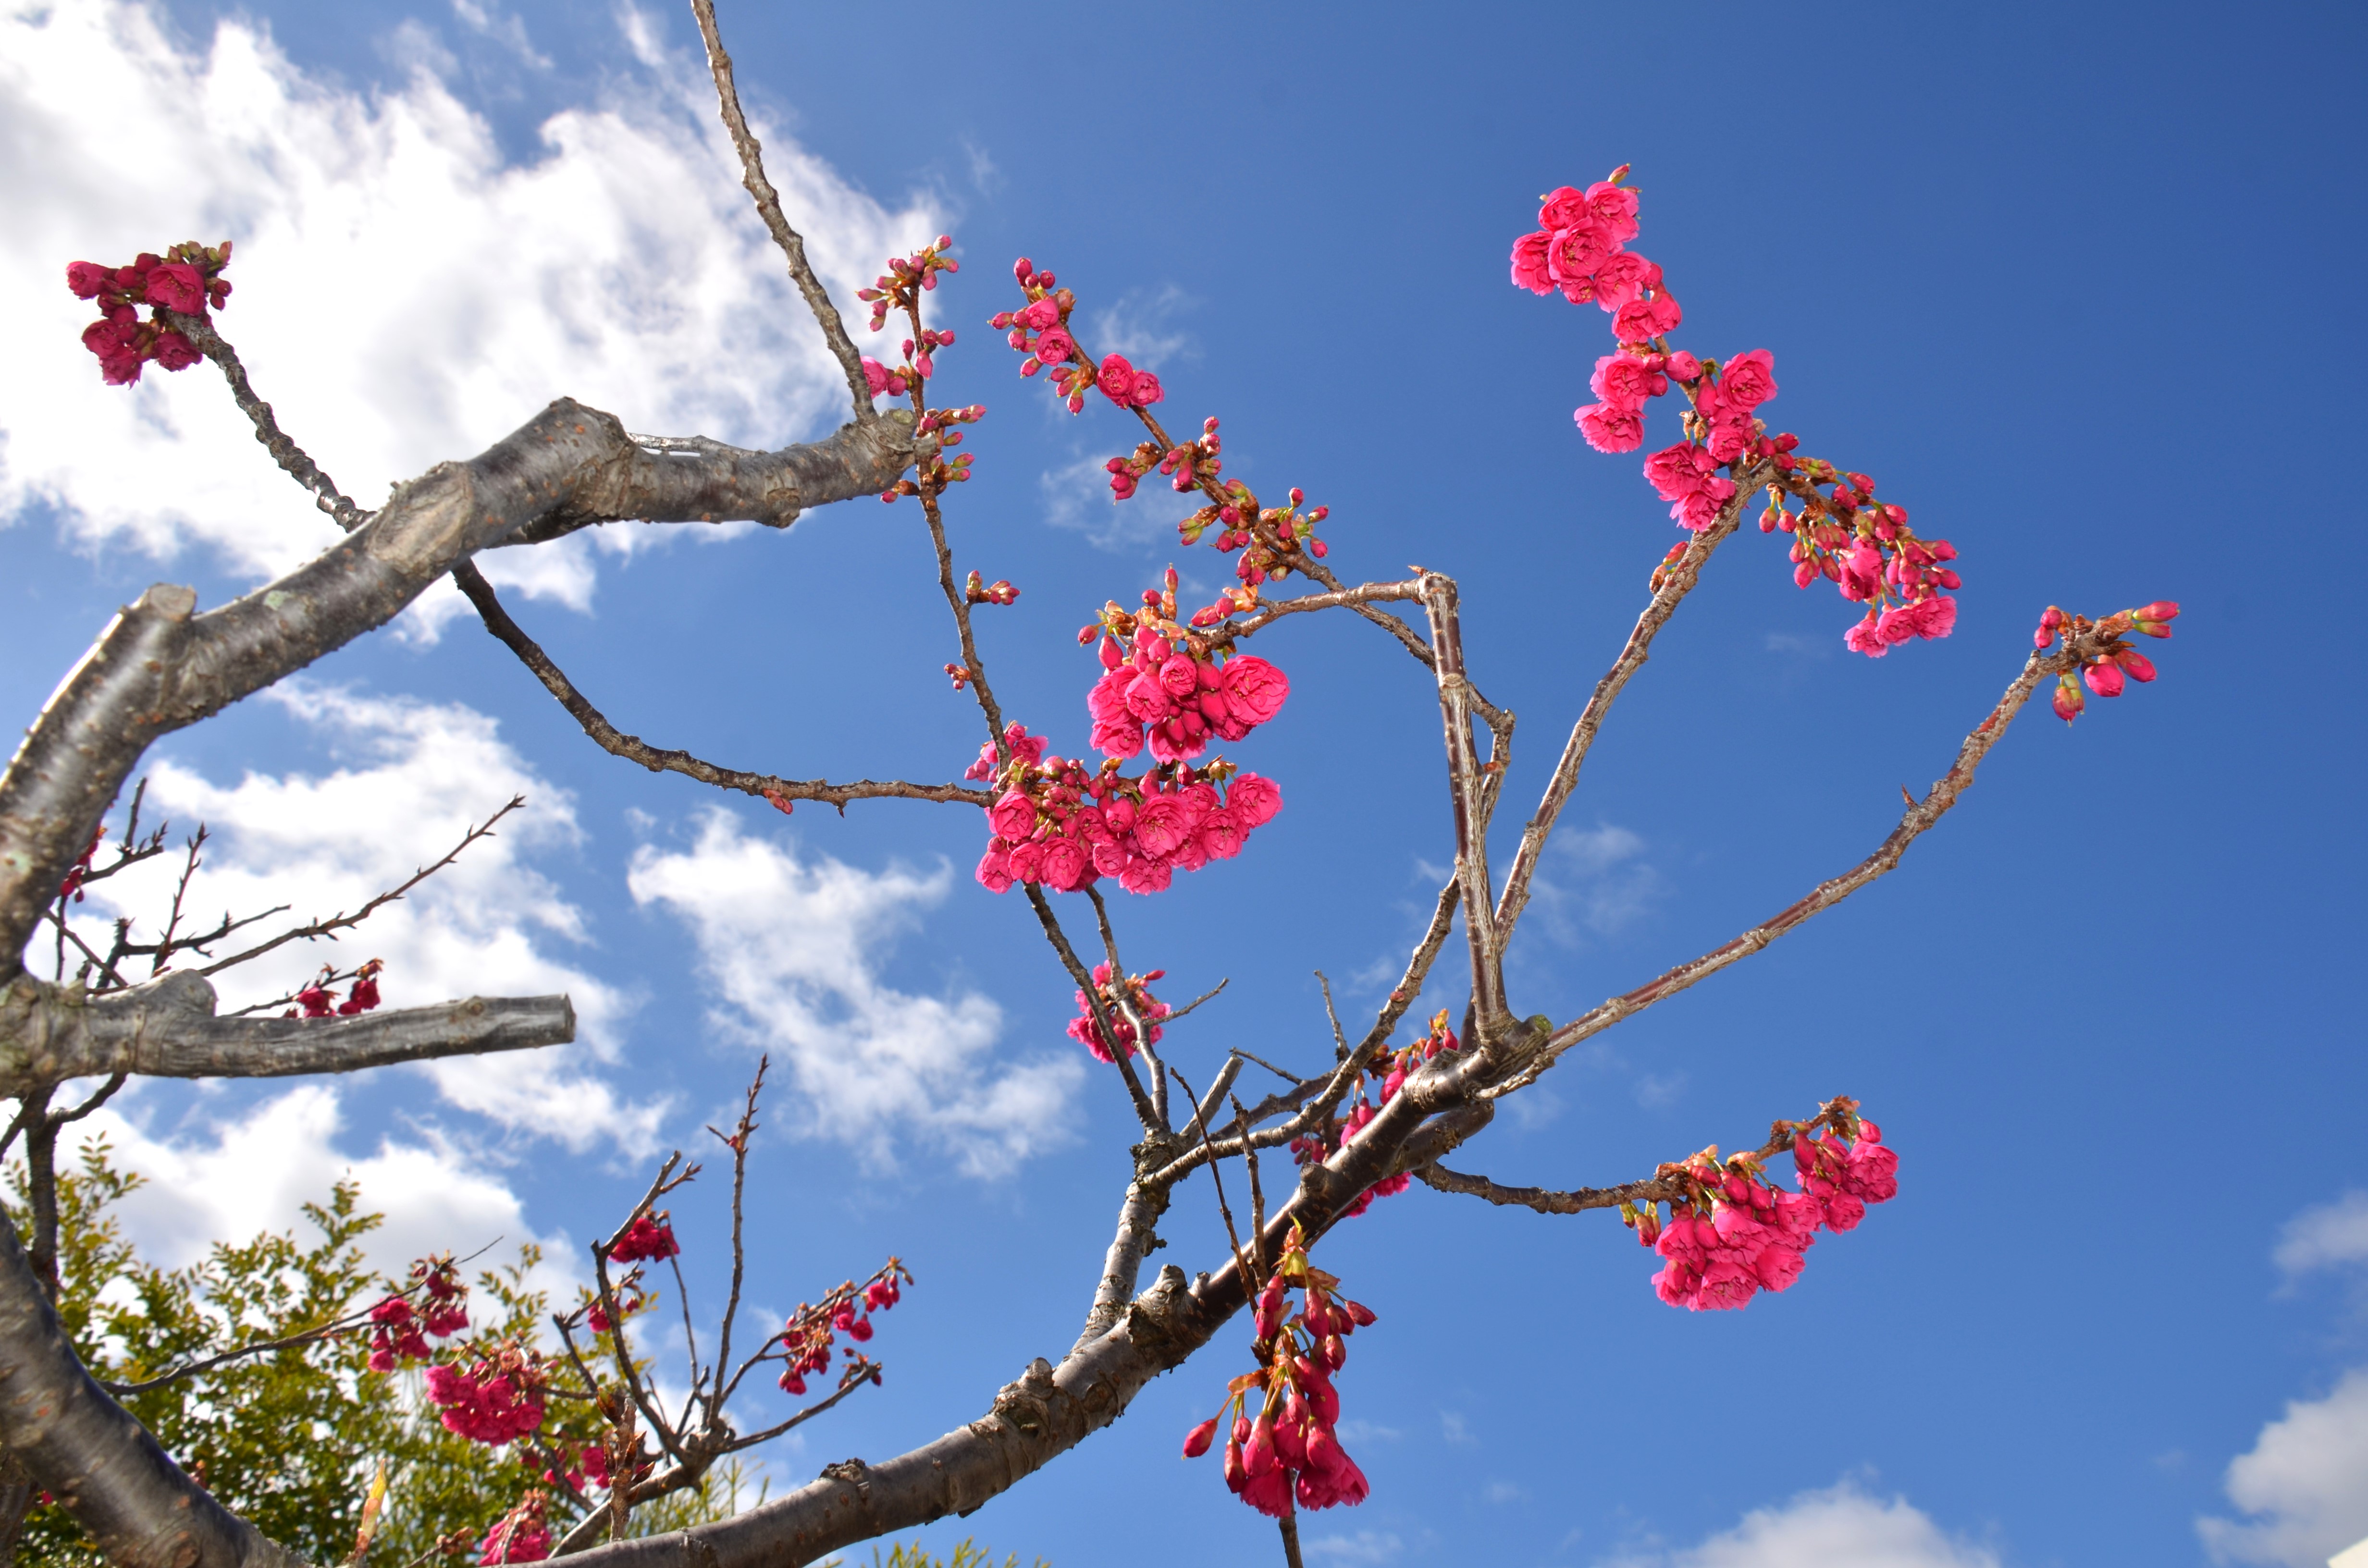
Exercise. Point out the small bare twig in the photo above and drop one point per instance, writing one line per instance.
(1217, 1179)
(1144, 1109)
(298, 466)
(1208, 996)
(336, 923)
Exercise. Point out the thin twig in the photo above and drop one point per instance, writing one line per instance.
(1077, 971)
(658, 759)
(1217, 1179)
(769, 207)
(345, 922)
(1676, 582)
(200, 330)
(1208, 996)
(1919, 816)
(1339, 1037)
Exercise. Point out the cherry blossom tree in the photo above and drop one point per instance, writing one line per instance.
(1065, 831)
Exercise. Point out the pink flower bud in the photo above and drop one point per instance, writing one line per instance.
(2104, 679)
(2136, 665)
(1197, 1441)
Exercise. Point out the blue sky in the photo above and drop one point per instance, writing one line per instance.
(2068, 281)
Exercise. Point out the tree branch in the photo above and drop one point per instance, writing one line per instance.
(138, 1507)
(632, 748)
(1463, 780)
(1920, 815)
(166, 1028)
(1676, 584)
(159, 667)
(769, 207)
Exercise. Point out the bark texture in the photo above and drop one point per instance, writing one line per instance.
(166, 1028)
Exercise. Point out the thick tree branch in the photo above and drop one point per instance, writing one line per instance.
(1676, 582)
(632, 748)
(159, 667)
(137, 1505)
(166, 1028)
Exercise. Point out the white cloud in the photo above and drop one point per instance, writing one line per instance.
(239, 1177)
(1365, 1546)
(416, 776)
(2327, 1235)
(1137, 327)
(1840, 1527)
(791, 947)
(1595, 882)
(2302, 1483)
(403, 295)
(1078, 498)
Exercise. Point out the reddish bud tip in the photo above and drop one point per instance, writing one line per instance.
(1197, 1441)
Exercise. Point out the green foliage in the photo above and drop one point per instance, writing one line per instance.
(291, 1438)
(967, 1555)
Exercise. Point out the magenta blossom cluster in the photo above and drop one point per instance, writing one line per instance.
(806, 1340)
(186, 281)
(399, 1331)
(1740, 1236)
(649, 1237)
(1131, 992)
(522, 1535)
(1289, 1456)
(1061, 827)
(1375, 1090)
(318, 1001)
(497, 1397)
(1178, 699)
(1865, 549)
(1039, 329)
(2115, 663)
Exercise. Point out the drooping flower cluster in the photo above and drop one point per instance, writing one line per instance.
(1174, 686)
(804, 1344)
(650, 1237)
(1374, 1090)
(318, 1001)
(185, 281)
(1039, 329)
(1865, 549)
(400, 1332)
(1063, 828)
(1288, 1453)
(2115, 661)
(1130, 992)
(522, 1535)
(497, 1397)
(1733, 1234)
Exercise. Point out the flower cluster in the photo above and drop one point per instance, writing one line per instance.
(185, 281)
(2115, 662)
(1289, 1452)
(978, 591)
(1376, 1089)
(1039, 329)
(499, 1398)
(399, 1331)
(1864, 548)
(1175, 686)
(1732, 1234)
(1063, 828)
(1128, 993)
(805, 1341)
(320, 1002)
(901, 287)
(649, 1237)
(80, 871)
(522, 1535)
